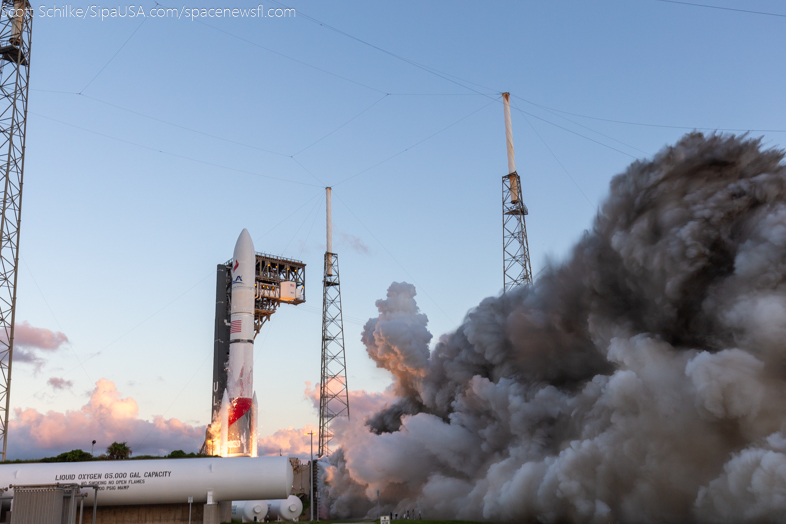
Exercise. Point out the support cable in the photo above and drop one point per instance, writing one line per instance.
(113, 56)
(211, 274)
(175, 155)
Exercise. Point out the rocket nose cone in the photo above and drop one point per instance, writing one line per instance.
(244, 245)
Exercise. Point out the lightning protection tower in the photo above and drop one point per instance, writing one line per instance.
(16, 26)
(516, 268)
(333, 392)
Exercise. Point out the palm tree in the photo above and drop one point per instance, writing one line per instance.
(118, 451)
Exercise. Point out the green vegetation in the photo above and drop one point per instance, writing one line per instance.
(76, 455)
(117, 451)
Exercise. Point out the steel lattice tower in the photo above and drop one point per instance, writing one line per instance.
(515, 248)
(333, 392)
(516, 268)
(16, 26)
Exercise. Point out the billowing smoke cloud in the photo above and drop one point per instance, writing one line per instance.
(642, 380)
(30, 341)
(106, 418)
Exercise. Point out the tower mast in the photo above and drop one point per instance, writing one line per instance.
(16, 25)
(333, 392)
(516, 268)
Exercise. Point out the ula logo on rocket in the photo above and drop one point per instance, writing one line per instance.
(238, 279)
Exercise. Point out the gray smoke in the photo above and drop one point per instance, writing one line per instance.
(642, 380)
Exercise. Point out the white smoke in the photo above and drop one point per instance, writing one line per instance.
(643, 380)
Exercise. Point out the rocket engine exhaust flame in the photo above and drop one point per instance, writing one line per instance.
(641, 380)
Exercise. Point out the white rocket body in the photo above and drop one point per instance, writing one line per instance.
(254, 429)
(240, 370)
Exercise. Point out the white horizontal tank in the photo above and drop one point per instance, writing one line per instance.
(287, 509)
(248, 510)
(166, 481)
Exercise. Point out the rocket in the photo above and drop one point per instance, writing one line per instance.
(238, 420)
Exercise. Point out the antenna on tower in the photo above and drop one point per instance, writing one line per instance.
(516, 268)
(333, 392)
(16, 27)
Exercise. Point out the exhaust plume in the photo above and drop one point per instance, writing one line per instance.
(642, 380)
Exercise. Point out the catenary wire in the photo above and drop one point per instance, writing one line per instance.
(113, 56)
(413, 145)
(425, 292)
(342, 125)
(305, 219)
(428, 69)
(139, 324)
(307, 171)
(748, 11)
(558, 161)
(574, 132)
(175, 155)
(71, 347)
(643, 124)
(592, 130)
(250, 42)
(156, 119)
(308, 235)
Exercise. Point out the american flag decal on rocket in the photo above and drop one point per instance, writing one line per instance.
(237, 325)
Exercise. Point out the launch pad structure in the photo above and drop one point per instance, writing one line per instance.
(16, 27)
(277, 280)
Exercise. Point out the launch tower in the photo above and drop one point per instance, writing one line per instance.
(16, 26)
(516, 268)
(333, 392)
(278, 280)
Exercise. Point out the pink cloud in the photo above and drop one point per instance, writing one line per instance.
(296, 442)
(362, 403)
(28, 340)
(105, 418)
(28, 336)
(59, 383)
(290, 441)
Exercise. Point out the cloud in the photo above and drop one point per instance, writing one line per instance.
(60, 383)
(354, 243)
(105, 418)
(289, 441)
(29, 340)
(362, 403)
(32, 337)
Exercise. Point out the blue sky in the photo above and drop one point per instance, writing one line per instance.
(152, 142)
